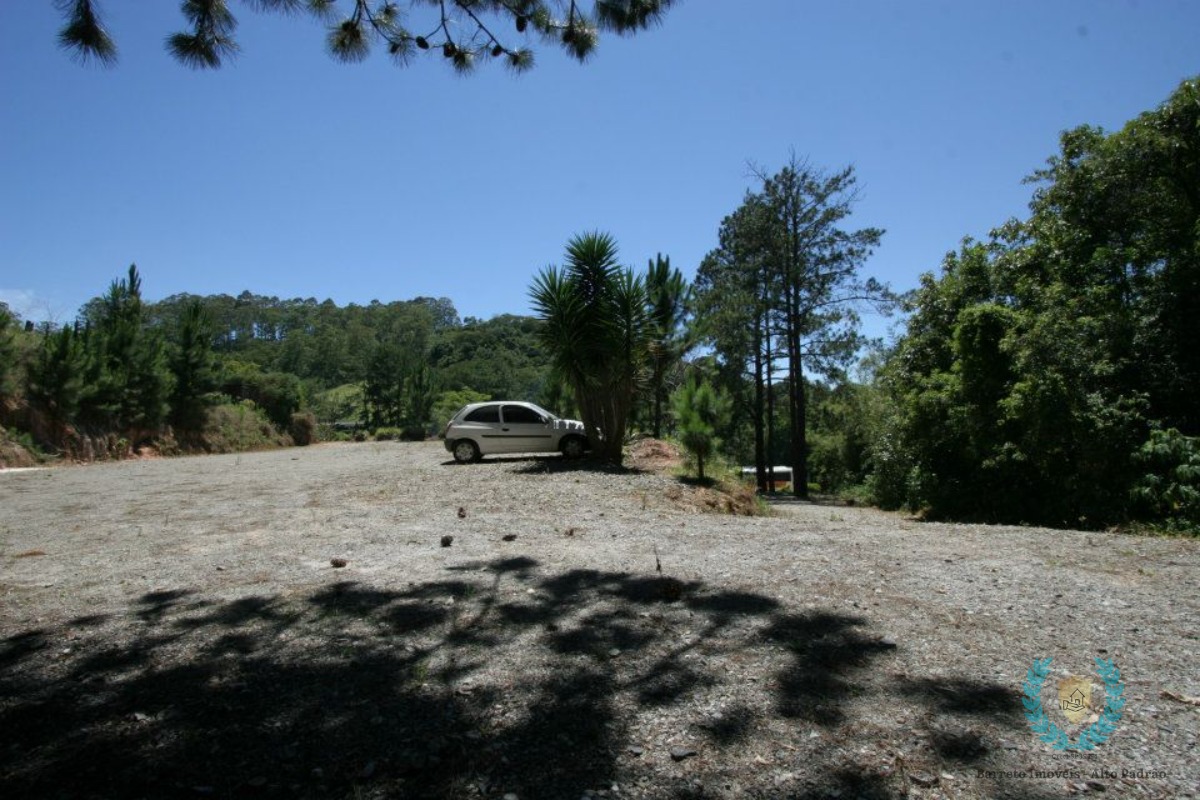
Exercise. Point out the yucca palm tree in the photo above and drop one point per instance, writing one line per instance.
(598, 332)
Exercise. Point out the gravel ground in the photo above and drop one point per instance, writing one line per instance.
(177, 628)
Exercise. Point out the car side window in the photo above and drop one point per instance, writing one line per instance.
(484, 414)
(521, 415)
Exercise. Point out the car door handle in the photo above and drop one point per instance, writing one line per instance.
(504, 429)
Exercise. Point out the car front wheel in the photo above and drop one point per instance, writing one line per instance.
(573, 447)
(465, 451)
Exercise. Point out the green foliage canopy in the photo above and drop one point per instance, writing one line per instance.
(8, 351)
(56, 378)
(1036, 366)
(503, 357)
(1168, 489)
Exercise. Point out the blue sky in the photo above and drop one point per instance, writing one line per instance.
(290, 174)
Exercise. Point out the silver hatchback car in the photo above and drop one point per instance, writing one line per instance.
(511, 426)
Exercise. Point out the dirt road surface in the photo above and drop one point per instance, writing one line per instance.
(177, 628)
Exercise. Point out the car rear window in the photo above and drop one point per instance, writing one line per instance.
(520, 414)
(484, 414)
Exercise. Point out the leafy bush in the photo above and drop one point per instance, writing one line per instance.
(328, 433)
(341, 403)
(857, 495)
(408, 433)
(827, 460)
(279, 394)
(237, 427)
(1169, 492)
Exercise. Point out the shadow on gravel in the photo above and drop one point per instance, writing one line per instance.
(359, 690)
(553, 464)
(827, 649)
(541, 465)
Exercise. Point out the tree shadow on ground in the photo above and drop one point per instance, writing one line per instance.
(541, 465)
(957, 703)
(827, 648)
(356, 690)
(551, 465)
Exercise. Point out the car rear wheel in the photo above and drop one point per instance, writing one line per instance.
(465, 451)
(573, 447)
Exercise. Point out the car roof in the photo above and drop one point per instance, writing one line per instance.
(473, 406)
(500, 403)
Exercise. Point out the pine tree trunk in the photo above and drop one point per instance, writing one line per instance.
(770, 412)
(800, 435)
(797, 400)
(760, 456)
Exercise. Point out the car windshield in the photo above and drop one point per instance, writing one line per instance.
(547, 414)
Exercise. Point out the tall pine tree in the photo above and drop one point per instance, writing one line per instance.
(134, 381)
(192, 369)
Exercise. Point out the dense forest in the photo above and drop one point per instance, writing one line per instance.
(1047, 375)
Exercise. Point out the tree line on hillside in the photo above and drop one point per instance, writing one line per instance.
(1048, 375)
(128, 371)
(131, 368)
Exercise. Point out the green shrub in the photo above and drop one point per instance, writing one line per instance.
(391, 433)
(328, 433)
(279, 394)
(858, 495)
(237, 427)
(1168, 493)
(339, 404)
(826, 463)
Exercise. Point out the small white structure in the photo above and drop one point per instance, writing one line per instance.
(782, 482)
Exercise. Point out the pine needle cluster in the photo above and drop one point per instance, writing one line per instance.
(463, 32)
